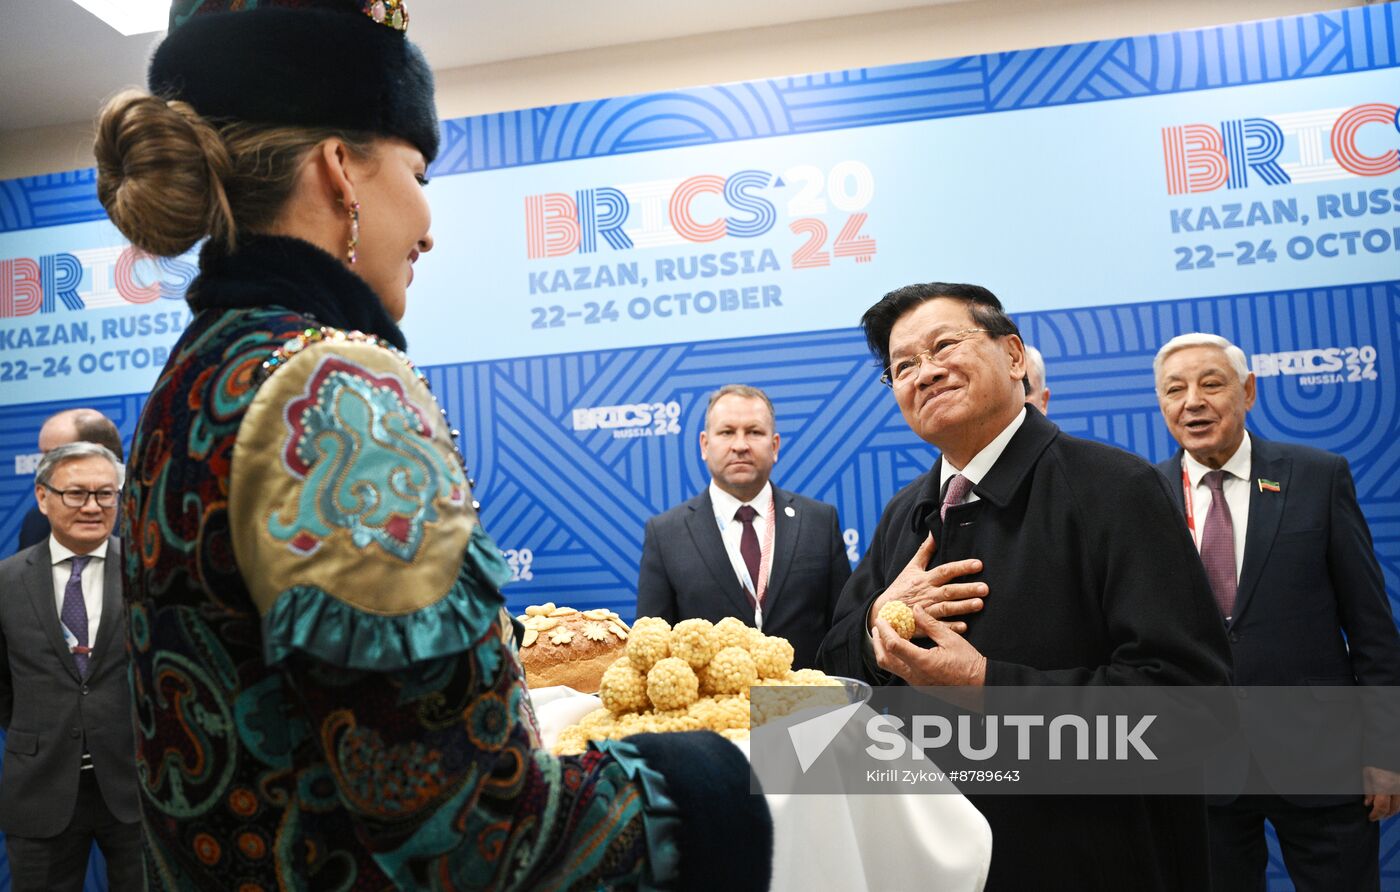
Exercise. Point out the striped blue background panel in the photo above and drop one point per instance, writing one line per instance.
(574, 497)
(1326, 43)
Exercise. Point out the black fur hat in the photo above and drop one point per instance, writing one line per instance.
(345, 64)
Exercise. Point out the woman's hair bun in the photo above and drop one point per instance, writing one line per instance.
(160, 174)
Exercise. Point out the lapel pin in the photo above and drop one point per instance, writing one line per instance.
(789, 512)
(1269, 485)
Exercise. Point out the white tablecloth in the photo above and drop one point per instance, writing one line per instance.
(883, 843)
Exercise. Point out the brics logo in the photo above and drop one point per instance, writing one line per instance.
(1327, 365)
(114, 277)
(630, 420)
(1330, 145)
(557, 224)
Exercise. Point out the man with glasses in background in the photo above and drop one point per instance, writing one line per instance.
(1030, 558)
(68, 426)
(69, 773)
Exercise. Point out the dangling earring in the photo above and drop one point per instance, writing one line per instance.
(354, 241)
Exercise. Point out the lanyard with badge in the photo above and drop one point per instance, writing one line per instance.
(71, 641)
(1190, 508)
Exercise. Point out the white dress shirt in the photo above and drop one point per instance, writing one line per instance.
(92, 581)
(1236, 489)
(983, 461)
(980, 465)
(730, 530)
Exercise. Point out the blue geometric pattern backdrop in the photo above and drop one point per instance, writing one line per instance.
(1241, 180)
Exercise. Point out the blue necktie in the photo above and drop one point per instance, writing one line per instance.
(74, 613)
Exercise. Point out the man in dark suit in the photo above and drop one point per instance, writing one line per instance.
(59, 429)
(1053, 560)
(1290, 561)
(69, 772)
(743, 547)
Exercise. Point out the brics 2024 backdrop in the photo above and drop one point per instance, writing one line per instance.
(601, 266)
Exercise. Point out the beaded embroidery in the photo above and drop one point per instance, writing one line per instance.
(282, 355)
(393, 13)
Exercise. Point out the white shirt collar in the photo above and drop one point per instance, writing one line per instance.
(1238, 465)
(59, 553)
(983, 461)
(726, 505)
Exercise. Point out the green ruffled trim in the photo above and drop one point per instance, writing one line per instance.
(486, 557)
(313, 621)
(661, 817)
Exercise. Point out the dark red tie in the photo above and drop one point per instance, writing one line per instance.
(748, 543)
(1218, 546)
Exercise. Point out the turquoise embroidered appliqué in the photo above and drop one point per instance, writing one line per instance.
(365, 457)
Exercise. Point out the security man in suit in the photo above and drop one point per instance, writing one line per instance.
(743, 547)
(1290, 561)
(69, 773)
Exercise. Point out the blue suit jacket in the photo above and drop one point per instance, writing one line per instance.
(1310, 575)
(1311, 608)
(686, 573)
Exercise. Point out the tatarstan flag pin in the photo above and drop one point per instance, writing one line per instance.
(1269, 485)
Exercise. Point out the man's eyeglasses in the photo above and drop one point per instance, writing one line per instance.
(77, 498)
(905, 370)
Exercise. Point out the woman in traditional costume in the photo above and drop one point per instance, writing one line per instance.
(327, 691)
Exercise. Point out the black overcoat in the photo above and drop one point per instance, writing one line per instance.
(1092, 579)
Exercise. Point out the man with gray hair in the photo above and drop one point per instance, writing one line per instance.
(68, 426)
(1290, 561)
(743, 547)
(1037, 394)
(69, 774)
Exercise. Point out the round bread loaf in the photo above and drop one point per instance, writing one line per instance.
(564, 646)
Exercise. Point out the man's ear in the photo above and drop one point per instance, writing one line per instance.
(704, 443)
(1017, 350)
(41, 495)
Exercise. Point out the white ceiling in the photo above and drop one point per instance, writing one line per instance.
(59, 62)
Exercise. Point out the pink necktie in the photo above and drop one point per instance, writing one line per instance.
(1218, 546)
(958, 488)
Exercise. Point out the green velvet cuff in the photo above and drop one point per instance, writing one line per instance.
(311, 620)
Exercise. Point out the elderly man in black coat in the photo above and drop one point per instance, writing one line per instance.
(1030, 558)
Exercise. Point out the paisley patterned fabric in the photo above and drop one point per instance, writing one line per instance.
(316, 707)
